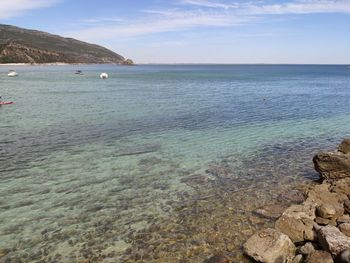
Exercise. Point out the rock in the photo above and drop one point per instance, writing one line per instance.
(128, 62)
(294, 196)
(269, 246)
(322, 221)
(332, 240)
(343, 219)
(272, 211)
(217, 259)
(319, 256)
(326, 211)
(293, 228)
(345, 229)
(254, 220)
(320, 195)
(341, 186)
(305, 210)
(347, 206)
(297, 222)
(344, 147)
(298, 259)
(3, 252)
(307, 249)
(344, 256)
(332, 165)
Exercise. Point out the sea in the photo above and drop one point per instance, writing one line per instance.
(157, 163)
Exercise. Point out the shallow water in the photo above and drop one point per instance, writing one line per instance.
(157, 163)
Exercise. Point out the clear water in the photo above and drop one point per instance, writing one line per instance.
(86, 165)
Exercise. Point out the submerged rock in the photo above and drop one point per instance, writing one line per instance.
(294, 196)
(217, 259)
(269, 246)
(273, 211)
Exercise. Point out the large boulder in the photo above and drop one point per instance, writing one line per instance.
(332, 240)
(297, 222)
(269, 246)
(332, 165)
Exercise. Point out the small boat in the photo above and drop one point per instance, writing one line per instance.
(6, 102)
(12, 73)
(78, 72)
(104, 76)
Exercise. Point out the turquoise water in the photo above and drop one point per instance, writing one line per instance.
(86, 163)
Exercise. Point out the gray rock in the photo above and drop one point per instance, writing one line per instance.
(332, 165)
(269, 246)
(319, 256)
(332, 240)
(344, 147)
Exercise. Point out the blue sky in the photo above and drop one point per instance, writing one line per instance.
(197, 31)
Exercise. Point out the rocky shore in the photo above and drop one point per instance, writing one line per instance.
(316, 230)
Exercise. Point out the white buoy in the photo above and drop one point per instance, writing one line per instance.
(104, 76)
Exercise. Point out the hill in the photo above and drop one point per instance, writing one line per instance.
(19, 45)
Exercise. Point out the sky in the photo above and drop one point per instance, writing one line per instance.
(197, 31)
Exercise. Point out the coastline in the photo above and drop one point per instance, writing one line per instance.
(54, 64)
(318, 229)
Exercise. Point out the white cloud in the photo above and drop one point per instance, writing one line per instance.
(12, 8)
(210, 4)
(303, 7)
(291, 7)
(190, 14)
(160, 21)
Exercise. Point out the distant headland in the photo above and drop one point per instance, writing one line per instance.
(19, 45)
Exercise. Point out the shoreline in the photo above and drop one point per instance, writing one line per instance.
(60, 64)
(318, 229)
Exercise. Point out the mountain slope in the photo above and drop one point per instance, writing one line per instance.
(18, 45)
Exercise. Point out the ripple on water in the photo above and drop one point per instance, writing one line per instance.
(171, 213)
